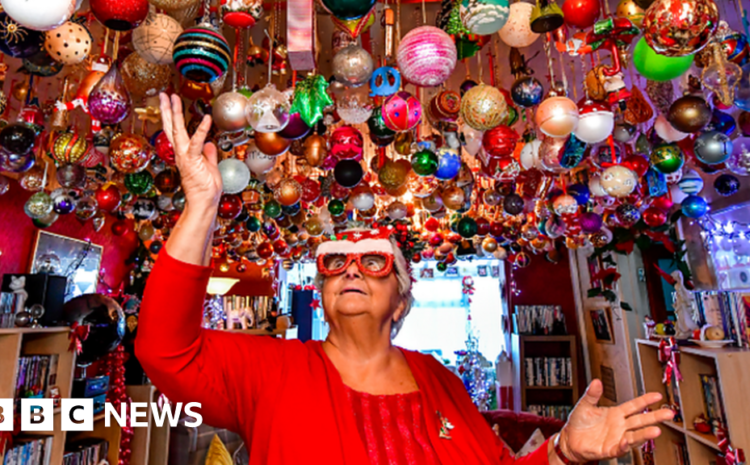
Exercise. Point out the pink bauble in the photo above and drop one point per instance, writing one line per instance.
(401, 111)
(426, 56)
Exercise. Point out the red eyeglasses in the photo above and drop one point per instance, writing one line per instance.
(375, 264)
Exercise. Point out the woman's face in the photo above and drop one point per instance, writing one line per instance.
(355, 294)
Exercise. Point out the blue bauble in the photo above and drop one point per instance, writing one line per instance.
(580, 192)
(722, 122)
(527, 92)
(694, 206)
(726, 185)
(449, 164)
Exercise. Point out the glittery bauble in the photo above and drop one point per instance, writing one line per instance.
(144, 79)
(68, 147)
(627, 215)
(139, 183)
(202, 54)
(17, 138)
(483, 107)
(500, 141)
(346, 143)
(421, 186)
(667, 158)
(268, 110)
(713, 147)
(288, 192)
(401, 111)
(68, 44)
(130, 153)
(120, 15)
(230, 206)
(557, 116)
(393, 175)
(680, 27)
(271, 143)
(228, 111)
(424, 163)
(689, 113)
(154, 39)
(71, 176)
(726, 185)
(352, 66)
(40, 15)
(18, 41)
(739, 162)
(348, 173)
(517, 29)
(694, 206)
(619, 181)
(109, 100)
(426, 56)
(449, 164)
(39, 205)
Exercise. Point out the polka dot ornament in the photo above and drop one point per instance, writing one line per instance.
(426, 56)
(483, 107)
(68, 44)
(154, 39)
(201, 54)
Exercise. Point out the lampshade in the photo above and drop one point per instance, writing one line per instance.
(220, 286)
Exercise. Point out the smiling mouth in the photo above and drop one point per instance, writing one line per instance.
(357, 291)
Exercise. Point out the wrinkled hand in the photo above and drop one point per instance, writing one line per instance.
(196, 160)
(597, 433)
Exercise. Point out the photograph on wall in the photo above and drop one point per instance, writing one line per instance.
(602, 324)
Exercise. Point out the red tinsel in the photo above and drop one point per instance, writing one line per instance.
(731, 455)
(117, 395)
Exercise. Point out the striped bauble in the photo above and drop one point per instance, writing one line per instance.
(426, 56)
(201, 54)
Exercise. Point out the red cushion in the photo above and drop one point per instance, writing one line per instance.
(517, 427)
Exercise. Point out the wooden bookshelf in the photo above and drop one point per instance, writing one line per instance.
(543, 346)
(15, 342)
(731, 366)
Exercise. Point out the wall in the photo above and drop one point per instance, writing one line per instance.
(18, 235)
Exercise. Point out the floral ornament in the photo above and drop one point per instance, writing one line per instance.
(311, 98)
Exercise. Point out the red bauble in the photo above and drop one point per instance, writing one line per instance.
(432, 224)
(496, 229)
(500, 141)
(654, 217)
(581, 13)
(108, 197)
(265, 250)
(280, 247)
(167, 181)
(338, 191)
(120, 228)
(310, 190)
(662, 203)
(637, 164)
(346, 143)
(120, 15)
(230, 206)
(503, 169)
(416, 258)
(436, 240)
(483, 226)
(163, 147)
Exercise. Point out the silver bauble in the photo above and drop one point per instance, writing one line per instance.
(235, 175)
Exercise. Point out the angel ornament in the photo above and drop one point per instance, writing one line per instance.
(685, 308)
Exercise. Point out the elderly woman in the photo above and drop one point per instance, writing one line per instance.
(353, 398)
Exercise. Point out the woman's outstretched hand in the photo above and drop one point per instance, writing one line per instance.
(196, 160)
(596, 433)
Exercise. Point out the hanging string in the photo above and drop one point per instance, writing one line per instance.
(549, 60)
(270, 54)
(116, 47)
(424, 13)
(574, 86)
(564, 76)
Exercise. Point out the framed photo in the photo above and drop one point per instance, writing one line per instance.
(425, 273)
(601, 321)
(495, 271)
(77, 260)
(594, 268)
(451, 271)
(482, 270)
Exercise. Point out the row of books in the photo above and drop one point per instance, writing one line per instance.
(729, 311)
(36, 374)
(539, 320)
(560, 412)
(712, 404)
(89, 451)
(32, 452)
(548, 371)
(679, 449)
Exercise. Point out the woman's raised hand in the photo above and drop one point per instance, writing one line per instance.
(196, 160)
(597, 433)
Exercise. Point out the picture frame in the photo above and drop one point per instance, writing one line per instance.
(495, 271)
(78, 260)
(594, 267)
(426, 273)
(601, 322)
(482, 270)
(451, 271)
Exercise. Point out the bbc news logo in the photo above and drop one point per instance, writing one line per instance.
(78, 414)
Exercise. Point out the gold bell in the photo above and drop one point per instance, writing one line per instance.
(546, 17)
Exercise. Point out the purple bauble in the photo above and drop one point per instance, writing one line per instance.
(109, 101)
(296, 128)
(16, 163)
(466, 85)
(590, 222)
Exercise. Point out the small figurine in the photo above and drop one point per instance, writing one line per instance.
(649, 327)
(685, 307)
(702, 425)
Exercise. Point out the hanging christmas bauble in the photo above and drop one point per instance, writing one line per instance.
(376, 125)
(268, 110)
(63, 201)
(109, 100)
(694, 206)
(513, 204)
(666, 131)
(71, 176)
(449, 163)
(271, 143)
(296, 128)
(726, 185)
(467, 227)
(34, 179)
(40, 15)
(362, 197)
(154, 39)
(144, 209)
(163, 148)
(517, 29)
(139, 183)
(68, 147)
(739, 162)
(590, 222)
(315, 150)
(678, 28)
(595, 123)
(235, 175)
(346, 143)
(393, 174)
(483, 107)
(202, 54)
(618, 181)
(130, 153)
(401, 111)
(581, 13)
(627, 215)
(722, 122)
(288, 192)
(38, 205)
(352, 66)
(108, 197)
(68, 44)
(713, 147)
(18, 41)
(632, 10)
(349, 9)
(530, 157)
(16, 163)
(689, 113)
(453, 197)
(654, 217)
(527, 91)
(565, 205)
(667, 158)
(426, 56)
(228, 111)
(348, 173)
(500, 141)
(120, 15)
(144, 79)
(17, 138)
(242, 14)
(230, 206)
(557, 116)
(424, 162)
(656, 67)
(484, 17)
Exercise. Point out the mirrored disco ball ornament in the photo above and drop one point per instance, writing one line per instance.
(202, 54)
(154, 39)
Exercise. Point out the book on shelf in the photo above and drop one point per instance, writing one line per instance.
(36, 375)
(548, 371)
(560, 412)
(30, 452)
(713, 406)
(88, 451)
(679, 448)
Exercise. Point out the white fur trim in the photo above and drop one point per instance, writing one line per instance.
(363, 246)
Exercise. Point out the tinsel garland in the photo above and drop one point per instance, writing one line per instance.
(117, 395)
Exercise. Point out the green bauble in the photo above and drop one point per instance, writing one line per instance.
(336, 207)
(655, 67)
(467, 227)
(139, 183)
(667, 158)
(349, 9)
(377, 126)
(253, 224)
(441, 267)
(272, 209)
(425, 163)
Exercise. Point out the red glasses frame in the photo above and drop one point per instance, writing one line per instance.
(356, 257)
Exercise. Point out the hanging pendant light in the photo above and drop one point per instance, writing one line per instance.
(546, 17)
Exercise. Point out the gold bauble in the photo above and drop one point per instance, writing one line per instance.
(20, 91)
(433, 202)
(489, 244)
(393, 174)
(402, 142)
(144, 79)
(288, 192)
(314, 226)
(315, 150)
(453, 197)
(271, 143)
